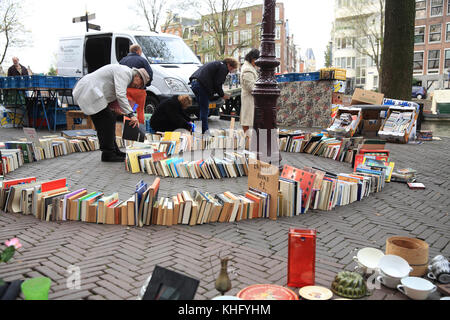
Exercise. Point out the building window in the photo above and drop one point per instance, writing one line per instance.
(277, 13)
(236, 20)
(447, 32)
(278, 33)
(435, 33)
(418, 62)
(419, 35)
(433, 61)
(278, 51)
(248, 17)
(421, 9)
(349, 62)
(230, 38)
(447, 59)
(448, 8)
(436, 8)
(206, 27)
(375, 81)
(343, 64)
(236, 37)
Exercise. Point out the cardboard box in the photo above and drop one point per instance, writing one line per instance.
(367, 97)
(371, 127)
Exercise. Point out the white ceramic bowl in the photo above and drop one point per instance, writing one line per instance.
(416, 288)
(394, 266)
(389, 282)
(368, 258)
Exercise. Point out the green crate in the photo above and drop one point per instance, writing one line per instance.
(444, 108)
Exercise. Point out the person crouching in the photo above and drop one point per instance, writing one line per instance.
(170, 115)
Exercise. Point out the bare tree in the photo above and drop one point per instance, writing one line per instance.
(11, 30)
(151, 11)
(218, 23)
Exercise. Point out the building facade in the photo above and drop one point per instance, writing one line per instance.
(243, 33)
(432, 43)
(355, 41)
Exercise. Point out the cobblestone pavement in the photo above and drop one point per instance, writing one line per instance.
(115, 261)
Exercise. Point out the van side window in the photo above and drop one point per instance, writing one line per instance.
(122, 48)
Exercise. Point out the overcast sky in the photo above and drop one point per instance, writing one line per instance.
(310, 22)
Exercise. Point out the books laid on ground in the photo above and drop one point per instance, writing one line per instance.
(16, 153)
(131, 133)
(233, 165)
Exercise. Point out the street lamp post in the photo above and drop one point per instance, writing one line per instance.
(266, 91)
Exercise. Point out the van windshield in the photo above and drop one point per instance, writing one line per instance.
(166, 50)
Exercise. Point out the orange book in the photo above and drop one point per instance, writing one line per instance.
(110, 212)
(72, 204)
(130, 212)
(124, 214)
(176, 210)
(257, 206)
(92, 212)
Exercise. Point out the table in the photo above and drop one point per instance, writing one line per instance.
(36, 99)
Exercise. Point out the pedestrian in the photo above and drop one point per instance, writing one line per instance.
(17, 69)
(249, 75)
(96, 93)
(207, 81)
(170, 116)
(135, 60)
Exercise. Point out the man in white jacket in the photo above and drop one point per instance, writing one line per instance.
(93, 94)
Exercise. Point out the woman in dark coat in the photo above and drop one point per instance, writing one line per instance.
(170, 116)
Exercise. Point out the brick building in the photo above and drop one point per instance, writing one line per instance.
(241, 37)
(432, 43)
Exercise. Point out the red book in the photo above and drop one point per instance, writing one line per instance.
(159, 156)
(257, 202)
(306, 180)
(53, 185)
(10, 183)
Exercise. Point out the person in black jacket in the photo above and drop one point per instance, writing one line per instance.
(135, 60)
(207, 81)
(170, 116)
(17, 69)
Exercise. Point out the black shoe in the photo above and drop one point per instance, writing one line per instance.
(121, 154)
(112, 157)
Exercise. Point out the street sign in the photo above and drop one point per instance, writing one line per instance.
(83, 18)
(86, 18)
(94, 27)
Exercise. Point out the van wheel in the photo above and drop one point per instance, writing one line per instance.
(419, 96)
(151, 104)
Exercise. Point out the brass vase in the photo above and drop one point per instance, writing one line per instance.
(223, 282)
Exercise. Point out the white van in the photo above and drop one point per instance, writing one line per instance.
(172, 61)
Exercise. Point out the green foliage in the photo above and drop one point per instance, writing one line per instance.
(52, 71)
(328, 57)
(7, 254)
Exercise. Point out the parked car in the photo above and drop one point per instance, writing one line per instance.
(419, 92)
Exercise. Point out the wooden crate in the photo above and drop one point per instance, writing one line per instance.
(74, 114)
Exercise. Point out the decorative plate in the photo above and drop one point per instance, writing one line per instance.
(315, 293)
(267, 292)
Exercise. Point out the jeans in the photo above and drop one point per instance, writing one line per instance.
(105, 124)
(203, 103)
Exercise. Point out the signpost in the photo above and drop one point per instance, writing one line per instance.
(86, 18)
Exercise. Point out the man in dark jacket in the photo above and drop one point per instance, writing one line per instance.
(169, 115)
(17, 69)
(135, 60)
(208, 81)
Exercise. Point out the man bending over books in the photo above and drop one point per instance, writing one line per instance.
(170, 116)
(95, 94)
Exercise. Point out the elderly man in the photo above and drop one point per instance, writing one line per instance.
(96, 91)
(135, 60)
(17, 69)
